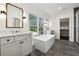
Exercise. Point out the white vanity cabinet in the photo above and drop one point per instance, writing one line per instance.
(26, 44)
(25, 50)
(12, 49)
(19, 45)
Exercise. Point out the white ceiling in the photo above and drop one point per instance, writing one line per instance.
(46, 9)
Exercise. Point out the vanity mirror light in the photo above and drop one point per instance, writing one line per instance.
(14, 16)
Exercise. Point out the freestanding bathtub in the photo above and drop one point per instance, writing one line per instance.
(44, 42)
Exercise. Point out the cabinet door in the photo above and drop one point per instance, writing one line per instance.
(26, 47)
(13, 49)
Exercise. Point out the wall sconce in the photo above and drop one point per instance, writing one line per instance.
(2, 12)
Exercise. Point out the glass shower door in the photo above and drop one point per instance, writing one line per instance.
(40, 26)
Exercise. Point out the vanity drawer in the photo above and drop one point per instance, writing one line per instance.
(7, 40)
(20, 37)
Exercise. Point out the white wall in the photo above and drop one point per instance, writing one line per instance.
(55, 21)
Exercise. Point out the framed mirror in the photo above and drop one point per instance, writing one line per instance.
(14, 16)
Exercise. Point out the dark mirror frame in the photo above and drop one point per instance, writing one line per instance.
(7, 12)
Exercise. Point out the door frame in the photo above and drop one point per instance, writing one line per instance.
(75, 11)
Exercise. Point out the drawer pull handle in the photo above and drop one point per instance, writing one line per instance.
(20, 42)
(8, 40)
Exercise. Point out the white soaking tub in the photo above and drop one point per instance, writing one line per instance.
(44, 42)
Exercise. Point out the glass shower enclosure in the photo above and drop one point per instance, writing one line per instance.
(40, 25)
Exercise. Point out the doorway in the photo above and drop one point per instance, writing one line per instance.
(64, 29)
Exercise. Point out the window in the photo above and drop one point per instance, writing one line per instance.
(33, 22)
(36, 24)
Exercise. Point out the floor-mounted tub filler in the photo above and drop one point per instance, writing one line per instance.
(44, 42)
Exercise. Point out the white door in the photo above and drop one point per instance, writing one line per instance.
(26, 47)
(77, 26)
(13, 49)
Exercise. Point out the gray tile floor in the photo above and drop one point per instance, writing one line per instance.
(60, 48)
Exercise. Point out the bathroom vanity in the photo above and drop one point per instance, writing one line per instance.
(16, 45)
(15, 42)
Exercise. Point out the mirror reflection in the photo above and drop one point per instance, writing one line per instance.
(14, 16)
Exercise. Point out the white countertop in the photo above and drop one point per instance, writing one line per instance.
(9, 34)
